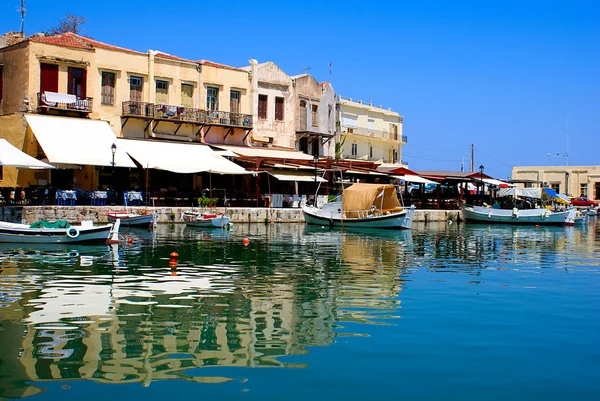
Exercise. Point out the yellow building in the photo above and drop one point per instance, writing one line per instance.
(370, 133)
(572, 180)
(142, 95)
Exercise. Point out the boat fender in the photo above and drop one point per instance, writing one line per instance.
(73, 232)
(515, 212)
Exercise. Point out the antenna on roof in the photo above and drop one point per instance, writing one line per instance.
(330, 64)
(22, 10)
(306, 70)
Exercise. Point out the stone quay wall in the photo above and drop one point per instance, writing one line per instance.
(75, 214)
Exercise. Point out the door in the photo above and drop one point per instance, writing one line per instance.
(135, 89)
(48, 77)
(77, 82)
(162, 92)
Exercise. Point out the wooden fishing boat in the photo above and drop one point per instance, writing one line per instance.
(132, 219)
(205, 219)
(53, 233)
(362, 206)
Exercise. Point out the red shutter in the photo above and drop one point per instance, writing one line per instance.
(262, 106)
(48, 77)
(70, 82)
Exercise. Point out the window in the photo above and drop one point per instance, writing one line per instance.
(583, 190)
(329, 113)
(135, 89)
(315, 115)
(354, 149)
(370, 152)
(555, 187)
(371, 124)
(108, 88)
(262, 106)
(76, 82)
(162, 92)
(234, 102)
(279, 108)
(212, 98)
(187, 95)
(1, 82)
(48, 77)
(394, 156)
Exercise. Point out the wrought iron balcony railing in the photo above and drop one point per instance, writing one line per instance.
(63, 101)
(186, 114)
(377, 134)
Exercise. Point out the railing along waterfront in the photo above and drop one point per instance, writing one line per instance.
(185, 114)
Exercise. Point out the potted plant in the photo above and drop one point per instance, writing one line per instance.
(214, 202)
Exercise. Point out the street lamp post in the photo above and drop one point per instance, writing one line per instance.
(567, 183)
(113, 149)
(481, 183)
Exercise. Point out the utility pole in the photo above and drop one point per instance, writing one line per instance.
(22, 18)
(472, 155)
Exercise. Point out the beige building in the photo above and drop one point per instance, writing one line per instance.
(370, 133)
(142, 95)
(572, 180)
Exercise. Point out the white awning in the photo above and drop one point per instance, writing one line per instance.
(299, 176)
(77, 141)
(267, 153)
(177, 157)
(11, 156)
(414, 178)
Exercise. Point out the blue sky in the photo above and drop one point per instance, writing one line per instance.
(511, 77)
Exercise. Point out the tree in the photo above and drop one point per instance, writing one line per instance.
(70, 23)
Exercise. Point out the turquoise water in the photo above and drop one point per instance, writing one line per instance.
(447, 311)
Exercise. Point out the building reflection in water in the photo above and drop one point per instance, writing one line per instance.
(121, 315)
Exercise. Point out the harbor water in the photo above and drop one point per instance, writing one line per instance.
(441, 312)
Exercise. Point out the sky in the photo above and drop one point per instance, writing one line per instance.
(517, 80)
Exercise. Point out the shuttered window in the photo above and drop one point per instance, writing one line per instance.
(162, 92)
(187, 95)
(135, 89)
(234, 102)
(108, 89)
(262, 106)
(279, 108)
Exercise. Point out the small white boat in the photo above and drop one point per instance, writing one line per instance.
(563, 215)
(363, 206)
(132, 219)
(45, 233)
(205, 219)
(540, 216)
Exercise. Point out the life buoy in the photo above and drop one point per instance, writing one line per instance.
(73, 232)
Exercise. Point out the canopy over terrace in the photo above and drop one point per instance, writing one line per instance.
(71, 141)
(185, 158)
(11, 156)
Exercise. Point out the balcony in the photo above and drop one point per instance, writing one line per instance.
(63, 102)
(181, 114)
(376, 134)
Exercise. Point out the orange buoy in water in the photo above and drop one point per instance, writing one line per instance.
(245, 241)
(173, 262)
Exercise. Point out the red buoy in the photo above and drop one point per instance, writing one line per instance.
(245, 241)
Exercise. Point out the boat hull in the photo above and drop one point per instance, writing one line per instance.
(193, 219)
(131, 219)
(400, 220)
(23, 234)
(480, 214)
